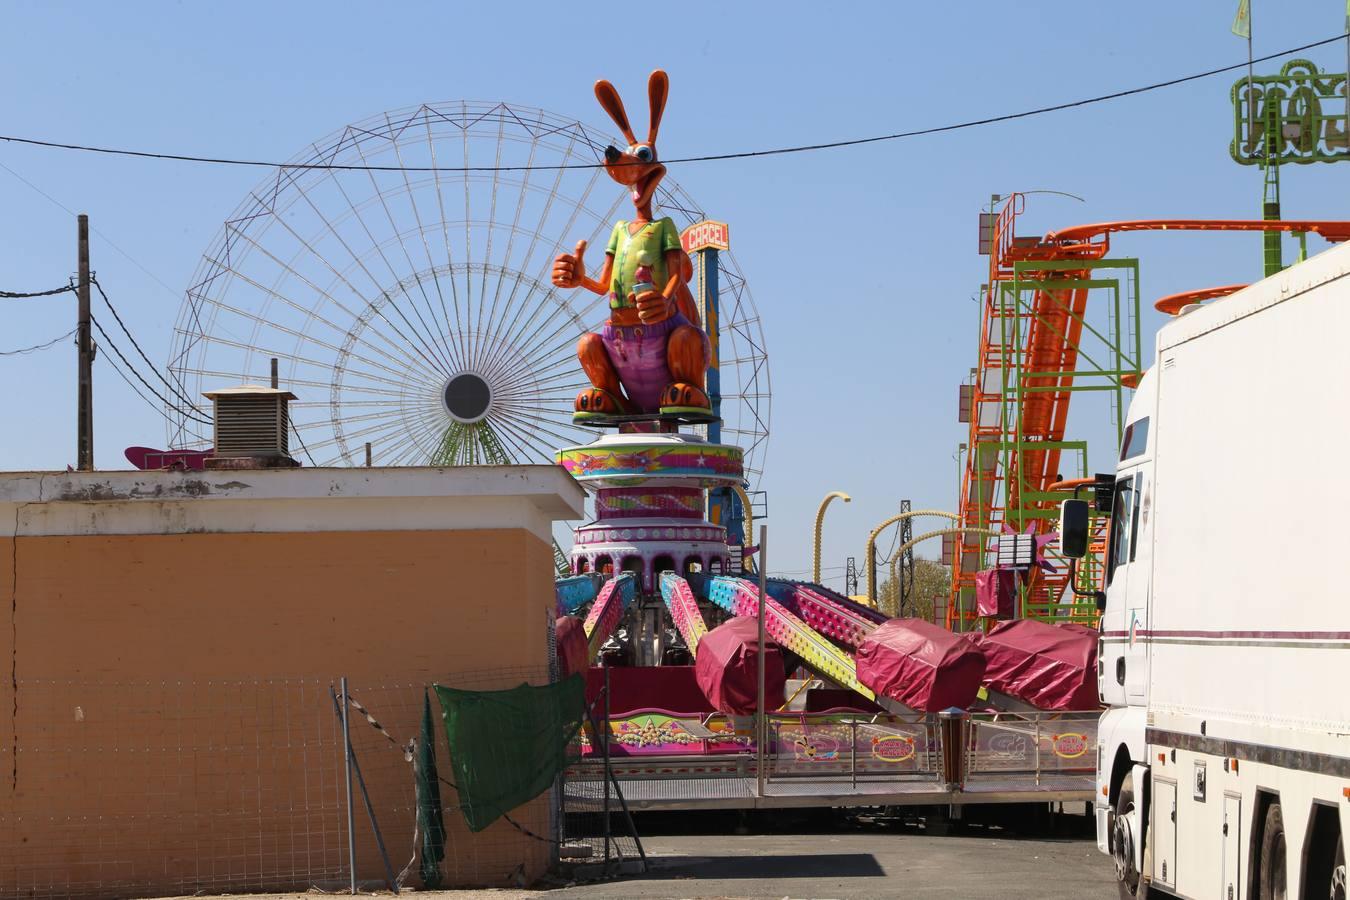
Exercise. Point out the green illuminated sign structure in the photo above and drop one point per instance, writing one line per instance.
(1279, 119)
(1282, 119)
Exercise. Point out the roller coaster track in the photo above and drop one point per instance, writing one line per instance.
(1033, 349)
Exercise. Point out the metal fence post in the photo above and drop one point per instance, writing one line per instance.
(1038, 752)
(761, 729)
(604, 744)
(347, 765)
(853, 750)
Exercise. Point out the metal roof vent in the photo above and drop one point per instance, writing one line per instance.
(252, 423)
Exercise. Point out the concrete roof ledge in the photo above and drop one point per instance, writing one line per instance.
(418, 491)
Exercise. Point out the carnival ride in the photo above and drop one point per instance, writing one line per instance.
(1039, 345)
(655, 577)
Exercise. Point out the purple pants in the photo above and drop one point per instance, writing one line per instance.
(638, 353)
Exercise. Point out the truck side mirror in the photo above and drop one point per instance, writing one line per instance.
(1074, 524)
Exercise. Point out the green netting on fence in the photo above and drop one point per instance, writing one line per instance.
(506, 747)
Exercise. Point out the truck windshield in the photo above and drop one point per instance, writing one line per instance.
(1121, 506)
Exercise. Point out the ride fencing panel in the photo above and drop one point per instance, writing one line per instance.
(160, 788)
(1036, 745)
(852, 745)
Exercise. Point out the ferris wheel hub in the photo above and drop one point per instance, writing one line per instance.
(467, 397)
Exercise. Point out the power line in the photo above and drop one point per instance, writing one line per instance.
(37, 347)
(131, 384)
(745, 154)
(141, 378)
(153, 368)
(109, 241)
(29, 295)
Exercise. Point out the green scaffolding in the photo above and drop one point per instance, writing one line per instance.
(1109, 348)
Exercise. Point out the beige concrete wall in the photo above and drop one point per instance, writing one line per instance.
(165, 723)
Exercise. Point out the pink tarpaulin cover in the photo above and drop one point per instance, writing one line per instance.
(573, 650)
(727, 668)
(1047, 666)
(921, 665)
(995, 591)
(648, 687)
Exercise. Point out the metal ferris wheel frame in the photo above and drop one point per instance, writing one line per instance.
(399, 271)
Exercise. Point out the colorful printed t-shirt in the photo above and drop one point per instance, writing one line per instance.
(647, 247)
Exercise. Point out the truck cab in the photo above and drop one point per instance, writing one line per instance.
(1122, 655)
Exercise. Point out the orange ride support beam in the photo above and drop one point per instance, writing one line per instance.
(1054, 330)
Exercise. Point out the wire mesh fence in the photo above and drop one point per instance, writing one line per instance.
(182, 787)
(595, 825)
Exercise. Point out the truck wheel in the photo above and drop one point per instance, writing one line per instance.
(1338, 879)
(1127, 828)
(1272, 878)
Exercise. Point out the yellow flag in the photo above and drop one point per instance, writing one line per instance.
(1242, 22)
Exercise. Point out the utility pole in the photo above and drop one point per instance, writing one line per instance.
(84, 450)
(905, 588)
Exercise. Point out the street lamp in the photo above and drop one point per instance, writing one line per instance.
(820, 520)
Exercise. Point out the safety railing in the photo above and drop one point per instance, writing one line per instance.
(853, 746)
(1031, 745)
(957, 750)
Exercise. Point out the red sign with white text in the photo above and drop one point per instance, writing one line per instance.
(705, 234)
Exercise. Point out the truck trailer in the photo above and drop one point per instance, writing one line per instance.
(1223, 758)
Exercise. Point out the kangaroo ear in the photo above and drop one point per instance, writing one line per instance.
(609, 99)
(658, 88)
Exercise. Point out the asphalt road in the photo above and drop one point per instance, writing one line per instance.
(791, 858)
(865, 863)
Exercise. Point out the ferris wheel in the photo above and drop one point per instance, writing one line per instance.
(399, 270)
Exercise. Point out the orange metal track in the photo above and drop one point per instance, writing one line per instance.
(1052, 334)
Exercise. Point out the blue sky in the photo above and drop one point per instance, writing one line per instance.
(862, 261)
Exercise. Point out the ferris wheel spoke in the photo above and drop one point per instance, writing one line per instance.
(324, 404)
(301, 382)
(564, 340)
(480, 330)
(545, 374)
(527, 441)
(415, 443)
(468, 221)
(350, 419)
(524, 453)
(534, 424)
(515, 330)
(402, 349)
(449, 247)
(522, 349)
(432, 332)
(598, 235)
(560, 304)
(295, 357)
(515, 220)
(428, 347)
(367, 431)
(535, 232)
(339, 276)
(562, 385)
(505, 371)
(426, 248)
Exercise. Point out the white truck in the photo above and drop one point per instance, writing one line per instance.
(1223, 759)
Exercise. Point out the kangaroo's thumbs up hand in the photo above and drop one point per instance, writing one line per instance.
(569, 268)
